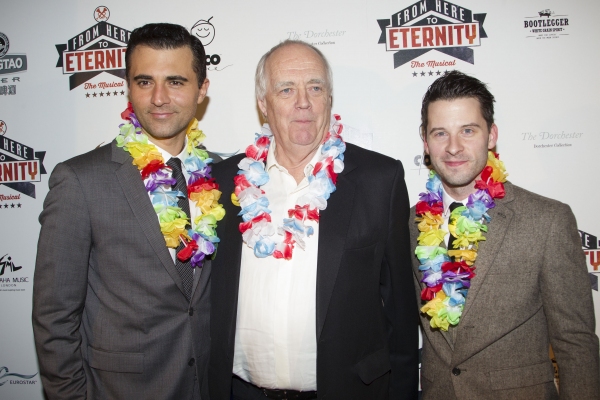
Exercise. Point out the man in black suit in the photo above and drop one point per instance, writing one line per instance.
(315, 298)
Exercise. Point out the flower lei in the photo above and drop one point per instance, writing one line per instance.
(257, 229)
(447, 282)
(201, 240)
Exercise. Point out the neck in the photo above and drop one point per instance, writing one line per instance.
(459, 193)
(173, 145)
(294, 161)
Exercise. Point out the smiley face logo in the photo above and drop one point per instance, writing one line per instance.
(204, 31)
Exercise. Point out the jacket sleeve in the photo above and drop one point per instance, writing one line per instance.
(398, 294)
(60, 286)
(567, 300)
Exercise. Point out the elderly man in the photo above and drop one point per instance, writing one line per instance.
(313, 299)
(116, 315)
(491, 308)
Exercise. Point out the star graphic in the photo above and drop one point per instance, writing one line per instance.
(430, 73)
(94, 94)
(115, 93)
(19, 205)
(12, 206)
(122, 93)
(108, 93)
(446, 71)
(438, 72)
(87, 95)
(101, 94)
(6, 206)
(414, 74)
(423, 73)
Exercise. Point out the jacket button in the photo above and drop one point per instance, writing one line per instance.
(456, 371)
(191, 362)
(191, 311)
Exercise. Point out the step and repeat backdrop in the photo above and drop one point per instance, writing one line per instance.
(62, 90)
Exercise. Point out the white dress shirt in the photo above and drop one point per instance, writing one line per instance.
(275, 336)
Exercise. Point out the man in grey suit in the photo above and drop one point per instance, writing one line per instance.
(115, 314)
(491, 309)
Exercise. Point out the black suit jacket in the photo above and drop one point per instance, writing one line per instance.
(366, 314)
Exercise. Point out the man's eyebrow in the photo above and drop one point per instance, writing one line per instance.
(177, 78)
(470, 124)
(317, 80)
(284, 83)
(142, 77)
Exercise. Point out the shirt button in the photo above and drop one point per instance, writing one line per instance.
(456, 371)
(191, 311)
(191, 362)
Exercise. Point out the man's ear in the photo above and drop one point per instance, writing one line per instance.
(262, 105)
(493, 137)
(203, 90)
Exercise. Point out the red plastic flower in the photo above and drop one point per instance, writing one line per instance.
(188, 251)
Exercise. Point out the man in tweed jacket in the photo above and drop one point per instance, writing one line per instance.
(531, 288)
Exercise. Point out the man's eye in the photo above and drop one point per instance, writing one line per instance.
(286, 91)
(317, 88)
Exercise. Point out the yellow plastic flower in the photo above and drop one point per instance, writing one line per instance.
(234, 200)
(206, 199)
(499, 173)
(428, 221)
(436, 309)
(172, 230)
(467, 256)
(431, 238)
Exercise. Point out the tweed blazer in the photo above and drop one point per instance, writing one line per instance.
(110, 317)
(531, 290)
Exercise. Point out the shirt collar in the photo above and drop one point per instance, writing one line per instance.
(272, 160)
(447, 199)
(166, 155)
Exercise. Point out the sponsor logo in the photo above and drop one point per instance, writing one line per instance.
(316, 38)
(432, 25)
(205, 31)
(4, 44)
(7, 377)
(10, 64)
(590, 243)
(100, 48)
(8, 281)
(20, 166)
(101, 14)
(547, 140)
(546, 25)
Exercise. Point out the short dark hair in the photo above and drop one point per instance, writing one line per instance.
(456, 85)
(167, 36)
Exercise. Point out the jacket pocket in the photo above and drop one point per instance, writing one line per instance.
(529, 375)
(374, 365)
(116, 361)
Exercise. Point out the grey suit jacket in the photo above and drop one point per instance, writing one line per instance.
(531, 289)
(110, 317)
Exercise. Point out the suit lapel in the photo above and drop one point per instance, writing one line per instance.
(488, 250)
(333, 228)
(137, 197)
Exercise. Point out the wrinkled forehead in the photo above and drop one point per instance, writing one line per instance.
(295, 61)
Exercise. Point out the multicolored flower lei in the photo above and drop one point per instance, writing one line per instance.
(447, 282)
(257, 229)
(202, 189)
